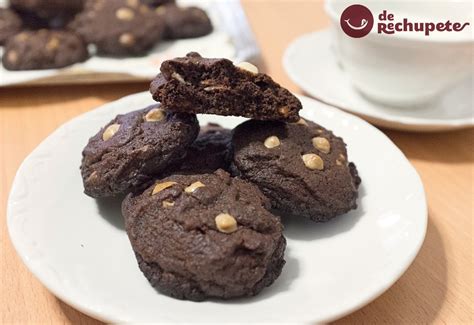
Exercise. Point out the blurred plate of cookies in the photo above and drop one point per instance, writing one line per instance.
(97, 41)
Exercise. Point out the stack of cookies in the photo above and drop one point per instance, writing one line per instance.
(45, 34)
(202, 206)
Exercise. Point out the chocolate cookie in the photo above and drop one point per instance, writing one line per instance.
(301, 167)
(43, 49)
(46, 13)
(186, 22)
(119, 27)
(205, 236)
(157, 3)
(133, 148)
(209, 152)
(48, 9)
(10, 24)
(216, 86)
(31, 21)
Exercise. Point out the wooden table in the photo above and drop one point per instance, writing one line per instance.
(436, 289)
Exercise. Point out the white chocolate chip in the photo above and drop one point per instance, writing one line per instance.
(341, 160)
(302, 121)
(52, 44)
(154, 115)
(212, 88)
(21, 37)
(322, 144)
(207, 82)
(124, 14)
(167, 204)
(127, 39)
(271, 142)
(110, 131)
(99, 4)
(160, 10)
(92, 176)
(193, 187)
(226, 223)
(12, 57)
(144, 9)
(313, 161)
(248, 67)
(284, 110)
(178, 77)
(145, 148)
(132, 3)
(161, 186)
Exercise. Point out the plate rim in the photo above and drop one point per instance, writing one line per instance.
(404, 123)
(89, 310)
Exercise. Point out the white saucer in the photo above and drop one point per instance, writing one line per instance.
(77, 248)
(311, 64)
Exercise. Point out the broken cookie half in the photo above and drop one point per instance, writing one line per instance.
(194, 84)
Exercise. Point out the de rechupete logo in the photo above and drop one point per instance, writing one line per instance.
(357, 21)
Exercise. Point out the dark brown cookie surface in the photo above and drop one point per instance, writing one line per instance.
(205, 236)
(157, 3)
(46, 13)
(10, 24)
(31, 21)
(48, 9)
(133, 148)
(209, 152)
(119, 27)
(184, 22)
(43, 49)
(216, 86)
(301, 167)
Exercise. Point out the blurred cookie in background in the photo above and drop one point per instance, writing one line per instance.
(47, 8)
(157, 3)
(119, 27)
(186, 22)
(43, 49)
(10, 24)
(46, 13)
(30, 21)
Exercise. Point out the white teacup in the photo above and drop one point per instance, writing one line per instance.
(409, 68)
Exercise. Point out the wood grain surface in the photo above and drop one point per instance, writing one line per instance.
(437, 288)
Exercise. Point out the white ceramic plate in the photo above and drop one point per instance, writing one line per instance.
(311, 63)
(78, 249)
